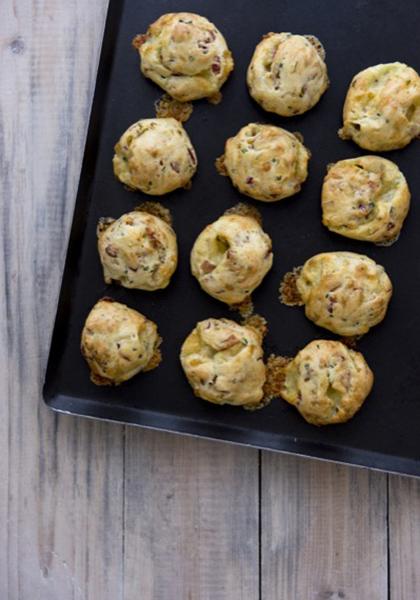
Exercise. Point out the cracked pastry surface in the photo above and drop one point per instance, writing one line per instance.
(138, 250)
(223, 362)
(265, 162)
(365, 198)
(186, 55)
(155, 156)
(118, 342)
(382, 107)
(344, 292)
(231, 257)
(287, 74)
(327, 382)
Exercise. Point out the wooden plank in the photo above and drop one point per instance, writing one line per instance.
(61, 495)
(404, 537)
(191, 519)
(324, 534)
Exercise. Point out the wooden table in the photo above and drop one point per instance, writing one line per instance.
(90, 510)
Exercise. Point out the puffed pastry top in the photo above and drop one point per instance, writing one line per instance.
(365, 198)
(186, 55)
(327, 382)
(287, 74)
(223, 362)
(382, 107)
(138, 250)
(155, 156)
(231, 257)
(118, 342)
(344, 292)
(265, 162)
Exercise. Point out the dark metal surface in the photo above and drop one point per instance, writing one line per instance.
(385, 433)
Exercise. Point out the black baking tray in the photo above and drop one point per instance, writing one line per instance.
(385, 434)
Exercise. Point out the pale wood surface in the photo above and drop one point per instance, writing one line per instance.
(191, 519)
(94, 511)
(404, 527)
(324, 531)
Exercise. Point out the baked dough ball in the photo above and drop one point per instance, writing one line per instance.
(365, 198)
(265, 162)
(382, 107)
(327, 382)
(155, 156)
(138, 250)
(186, 55)
(223, 362)
(344, 292)
(118, 342)
(231, 257)
(287, 74)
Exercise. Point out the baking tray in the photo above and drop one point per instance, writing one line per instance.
(385, 434)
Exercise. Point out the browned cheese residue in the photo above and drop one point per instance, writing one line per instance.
(156, 357)
(244, 308)
(288, 292)
(258, 323)
(157, 210)
(169, 107)
(351, 341)
(245, 210)
(219, 163)
(139, 40)
(275, 376)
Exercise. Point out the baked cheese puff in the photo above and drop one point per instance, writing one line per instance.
(382, 107)
(155, 156)
(231, 257)
(344, 292)
(118, 342)
(265, 162)
(365, 198)
(223, 362)
(287, 74)
(139, 250)
(327, 382)
(186, 55)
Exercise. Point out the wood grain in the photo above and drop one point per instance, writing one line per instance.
(61, 510)
(324, 531)
(404, 530)
(191, 519)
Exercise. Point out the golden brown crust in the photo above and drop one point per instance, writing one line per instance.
(327, 382)
(266, 162)
(186, 55)
(223, 362)
(287, 74)
(344, 292)
(365, 198)
(231, 257)
(382, 107)
(155, 156)
(118, 342)
(139, 250)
